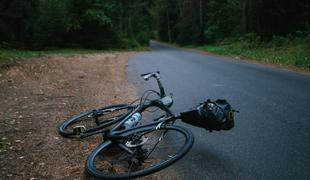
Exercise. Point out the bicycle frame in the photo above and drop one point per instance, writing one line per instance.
(163, 103)
(118, 123)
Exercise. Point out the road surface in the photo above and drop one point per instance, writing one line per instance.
(271, 139)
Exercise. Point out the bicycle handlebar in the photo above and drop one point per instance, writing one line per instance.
(147, 76)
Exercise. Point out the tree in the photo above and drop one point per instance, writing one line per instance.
(16, 19)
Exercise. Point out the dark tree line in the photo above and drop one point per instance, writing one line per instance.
(275, 17)
(128, 23)
(205, 21)
(74, 23)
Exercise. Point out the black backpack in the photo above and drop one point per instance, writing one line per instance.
(211, 115)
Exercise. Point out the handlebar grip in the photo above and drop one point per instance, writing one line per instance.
(144, 74)
(150, 73)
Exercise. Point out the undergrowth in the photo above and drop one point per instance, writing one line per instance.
(291, 50)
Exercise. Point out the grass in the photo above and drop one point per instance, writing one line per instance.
(10, 55)
(290, 54)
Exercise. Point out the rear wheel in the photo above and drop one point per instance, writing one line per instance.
(94, 119)
(144, 152)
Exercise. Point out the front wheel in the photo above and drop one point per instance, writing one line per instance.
(94, 120)
(144, 151)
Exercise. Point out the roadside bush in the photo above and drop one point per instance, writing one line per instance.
(279, 41)
(211, 33)
(250, 41)
(129, 43)
(142, 38)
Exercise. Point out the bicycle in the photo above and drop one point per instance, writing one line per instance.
(130, 150)
(89, 122)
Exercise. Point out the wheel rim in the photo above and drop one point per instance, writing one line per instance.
(119, 161)
(89, 121)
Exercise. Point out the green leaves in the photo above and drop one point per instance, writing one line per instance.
(39, 24)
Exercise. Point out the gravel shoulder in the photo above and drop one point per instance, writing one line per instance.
(38, 94)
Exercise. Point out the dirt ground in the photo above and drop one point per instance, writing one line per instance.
(38, 94)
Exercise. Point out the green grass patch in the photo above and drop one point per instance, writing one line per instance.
(10, 55)
(297, 56)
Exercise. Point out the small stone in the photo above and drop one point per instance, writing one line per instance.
(41, 164)
(56, 138)
(21, 157)
(20, 116)
(4, 138)
(9, 175)
(18, 141)
(81, 76)
(32, 178)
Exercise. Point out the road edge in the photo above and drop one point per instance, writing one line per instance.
(251, 61)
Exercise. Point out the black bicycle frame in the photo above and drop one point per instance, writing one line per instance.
(121, 120)
(136, 108)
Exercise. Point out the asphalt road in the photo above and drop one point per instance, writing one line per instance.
(271, 139)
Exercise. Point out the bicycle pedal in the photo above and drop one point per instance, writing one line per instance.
(77, 130)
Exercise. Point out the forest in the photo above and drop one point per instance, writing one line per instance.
(106, 24)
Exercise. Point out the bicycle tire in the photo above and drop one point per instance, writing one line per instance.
(109, 149)
(66, 128)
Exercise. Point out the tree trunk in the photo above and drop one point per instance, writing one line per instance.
(201, 14)
(121, 18)
(244, 21)
(168, 26)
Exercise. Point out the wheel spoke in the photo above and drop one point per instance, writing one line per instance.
(93, 118)
(142, 153)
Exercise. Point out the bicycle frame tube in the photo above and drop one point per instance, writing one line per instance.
(108, 123)
(146, 127)
(161, 88)
(140, 109)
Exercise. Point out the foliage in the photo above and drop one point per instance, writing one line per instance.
(291, 50)
(223, 19)
(103, 24)
(98, 24)
(208, 21)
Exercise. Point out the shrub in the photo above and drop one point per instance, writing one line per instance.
(279, 40)
(250, 40)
